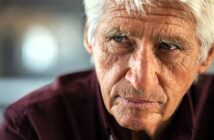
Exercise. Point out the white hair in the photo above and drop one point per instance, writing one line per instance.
(203, 11)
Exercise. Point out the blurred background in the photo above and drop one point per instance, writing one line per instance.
(39, 40)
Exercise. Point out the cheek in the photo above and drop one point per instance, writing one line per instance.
(110, 69)
(177, 80)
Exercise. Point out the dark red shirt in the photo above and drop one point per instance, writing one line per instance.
(72, 108)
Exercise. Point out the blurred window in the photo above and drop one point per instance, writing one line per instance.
(39, 50)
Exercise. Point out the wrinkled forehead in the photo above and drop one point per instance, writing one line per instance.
(144, 7)
(164, 14)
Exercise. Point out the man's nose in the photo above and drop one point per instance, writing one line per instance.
(143, 70)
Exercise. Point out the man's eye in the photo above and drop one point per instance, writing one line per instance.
(120, 39)
(168, 46)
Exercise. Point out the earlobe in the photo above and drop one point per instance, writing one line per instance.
(86, 42)
(208, 62)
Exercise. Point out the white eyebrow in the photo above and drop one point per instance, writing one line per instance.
(118, 32)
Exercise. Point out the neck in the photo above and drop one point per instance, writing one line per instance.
(139, 135)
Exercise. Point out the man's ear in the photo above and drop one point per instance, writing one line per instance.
(208, 61)
(87, 44)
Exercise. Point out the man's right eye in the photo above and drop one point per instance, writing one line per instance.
(120, 39)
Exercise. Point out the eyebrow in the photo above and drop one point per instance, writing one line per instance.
(116, 31)
(171, 36)
(174, 38)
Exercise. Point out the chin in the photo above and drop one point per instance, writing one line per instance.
(132, 124)
(135, 119)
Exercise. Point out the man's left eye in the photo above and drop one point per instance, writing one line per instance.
(168, 46)
(120, 39)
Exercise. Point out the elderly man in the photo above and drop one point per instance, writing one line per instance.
(147, 84)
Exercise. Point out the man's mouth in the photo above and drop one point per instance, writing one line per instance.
(139, 103)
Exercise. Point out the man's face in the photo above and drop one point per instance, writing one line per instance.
(145, 64)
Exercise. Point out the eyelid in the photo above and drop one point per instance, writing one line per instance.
(119, 34)
(125, 39)
(173, 42)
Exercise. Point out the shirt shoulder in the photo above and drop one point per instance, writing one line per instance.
(50, 105)
(202, 89)
(79, 85)
(203, 99)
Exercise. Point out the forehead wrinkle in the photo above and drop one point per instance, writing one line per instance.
(136, 30)
(167, 32)
(134, 24)
(157, 11)
(168, 9)
(169, 16)
(183, 16)
(169, 20)
(166, 6)
(170, 34)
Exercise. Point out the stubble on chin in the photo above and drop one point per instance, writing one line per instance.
(134, 119)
